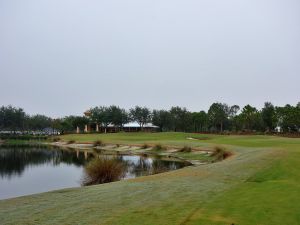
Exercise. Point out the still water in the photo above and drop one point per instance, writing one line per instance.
(30, 170)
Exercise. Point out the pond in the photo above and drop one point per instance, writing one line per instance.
(29, 170)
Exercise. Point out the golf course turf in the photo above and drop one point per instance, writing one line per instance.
(259, 184)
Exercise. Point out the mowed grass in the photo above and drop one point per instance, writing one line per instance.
(260, 184)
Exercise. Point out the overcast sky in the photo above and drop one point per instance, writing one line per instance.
(61, 57)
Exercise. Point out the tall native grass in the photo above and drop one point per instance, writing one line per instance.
(98, 143)
(159, 147)
(185, 149)
(103, 170)
(220, 153)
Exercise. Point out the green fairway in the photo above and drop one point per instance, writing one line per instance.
(259, 184)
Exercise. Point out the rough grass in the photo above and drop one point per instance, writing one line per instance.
(259, 184)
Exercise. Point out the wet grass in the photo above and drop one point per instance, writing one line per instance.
(259, 184)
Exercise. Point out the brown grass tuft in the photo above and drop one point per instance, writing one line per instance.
(220, 154)
(144, 146)
(71, 142)
(185, 149)
(159, 147)
(98, 143)
(103, 170)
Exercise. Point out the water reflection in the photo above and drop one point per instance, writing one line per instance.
(141, 166)
(14, 160)
(29, 170)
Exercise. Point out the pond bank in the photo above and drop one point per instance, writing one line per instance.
(168, 152)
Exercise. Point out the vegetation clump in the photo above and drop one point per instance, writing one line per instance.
(220, 153)
(55, 139)
(103, 170)
(159, 147)
(145, 155)
(185, 149)
(71, 142)
(98, 150)
(98, 143)
(144, 146)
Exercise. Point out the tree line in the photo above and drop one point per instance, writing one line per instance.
(219, 118)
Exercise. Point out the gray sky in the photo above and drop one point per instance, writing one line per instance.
(60, 57)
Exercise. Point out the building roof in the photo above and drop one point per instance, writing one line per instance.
(135, 125)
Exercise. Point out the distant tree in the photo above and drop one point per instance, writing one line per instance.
(233, 110)
(12, 118)
(57, 124)
(181, 119)
(141, 115)
(38, 122)
(232, 123)
(67, 124)
(269, 116)
(118, 116)
(218, 114)
(237, 123)
(251, 118)
(200, 121)
(79, 121)
(162, 119)
(101, 116)
(288, 118)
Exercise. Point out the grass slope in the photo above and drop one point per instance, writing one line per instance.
(259, 185)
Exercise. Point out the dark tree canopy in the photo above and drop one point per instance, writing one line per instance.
(219, 118)
(268, 116)
(12, 118)
(218, 114)
(141, 115)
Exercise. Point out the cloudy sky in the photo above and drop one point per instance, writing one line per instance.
(60, 57)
